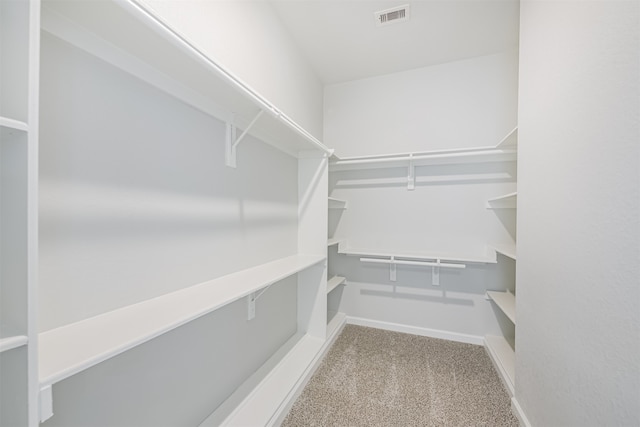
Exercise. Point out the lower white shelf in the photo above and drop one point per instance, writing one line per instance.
(336, 321)
(503, 356)
(334, 282)
(9, 343)
(506, 301)
(70, 349)
(264, 402)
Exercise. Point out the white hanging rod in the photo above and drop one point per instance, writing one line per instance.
(419, 263)
(467, 152)
(166, 31)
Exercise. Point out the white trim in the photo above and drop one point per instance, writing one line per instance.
(516, 409)
(416, 330)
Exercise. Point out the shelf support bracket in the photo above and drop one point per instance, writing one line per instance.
(411, 176)
(435, 273)
(392, 269)
(46, 403)
(251, 301)
(231, 142)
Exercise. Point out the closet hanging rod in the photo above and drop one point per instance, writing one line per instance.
(161, 27)
(418, 263)
(421, 156)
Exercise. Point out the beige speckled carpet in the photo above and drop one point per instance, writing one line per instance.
(372, 377)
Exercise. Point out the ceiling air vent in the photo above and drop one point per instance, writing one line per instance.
(393, 15)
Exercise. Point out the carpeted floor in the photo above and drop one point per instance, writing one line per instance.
(372, 377)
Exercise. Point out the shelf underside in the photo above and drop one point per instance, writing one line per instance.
(506, 249)
(131, 38)
(70, 349)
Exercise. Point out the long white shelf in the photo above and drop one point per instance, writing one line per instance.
(483, 259)
(508, 250)
(132, 38)
(8, 123)
(9, 343)
(337, 203)
(506, 301)
(503, 357)
(508, 201)
(334, 282)
(70, 349)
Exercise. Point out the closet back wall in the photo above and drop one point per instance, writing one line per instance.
(136, 202)
(463, 104)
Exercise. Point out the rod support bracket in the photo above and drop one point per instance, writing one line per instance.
(411, 176)
(392, 269)
(231, 141)
(435, 273)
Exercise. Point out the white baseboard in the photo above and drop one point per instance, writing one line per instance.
(416, 330)
(286, 405)
(519, 413)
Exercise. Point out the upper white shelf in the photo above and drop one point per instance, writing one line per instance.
(337, 203)
(70, 349)
(506, 301)
(130, 37)
(334, 282)
(508, 201)
(9, 343)
(506, 249)
(8, 123)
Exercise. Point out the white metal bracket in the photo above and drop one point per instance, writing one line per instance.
(231, 142)
(392, 269)
(251, 302)
(46, 403)
(411, 176)
(435, 273)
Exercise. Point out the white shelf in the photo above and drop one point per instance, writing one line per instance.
(336, 322)
(333, 242)
(508, 250)
(9, 343)
(511, 140)
(261, 406)
(334, 282)
(428, 158)
(482, 259)
(337, 203)
(508, 201)
(130, 37)
(8, 123)
(70, 349)
(503, 357)
(506, 301)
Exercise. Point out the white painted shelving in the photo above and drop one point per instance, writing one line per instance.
(8, 123)
(508, 201)
(337, 203)
(334, 282)
(70, 349)
(129, 36)
(503, 356)
(506, 301)
(9, 343)
(488, 258)
(506, 249)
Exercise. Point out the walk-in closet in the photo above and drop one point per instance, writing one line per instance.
(214, 212)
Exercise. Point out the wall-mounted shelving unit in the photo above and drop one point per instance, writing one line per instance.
(182, 70)
(501, 349)
(335, 319)
(19, 78)
(101, 337)
(508, 201)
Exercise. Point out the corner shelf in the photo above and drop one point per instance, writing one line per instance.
(506, 301)
(129, 36)
(508, 201)
(503, 357)
(9, 343)
(8, 123)
(337, 203)
(334, 282)
(506, 249)
(70, 349)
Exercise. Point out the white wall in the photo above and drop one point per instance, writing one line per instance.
(248, 39)
(462, 104)
(136, 202)
(578, 277)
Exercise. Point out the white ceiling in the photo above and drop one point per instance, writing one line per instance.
(342, 42)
